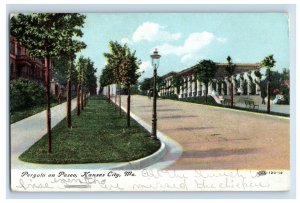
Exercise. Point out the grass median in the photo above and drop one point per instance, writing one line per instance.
(30, 111)
(98, 135)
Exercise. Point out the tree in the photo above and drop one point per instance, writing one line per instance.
(86, 80)
(44, 35)
(106, 77)
(279, 84)
(206, 71)
(145, 85)
(230, 69)
(129, 75)
(114, 62)
(123, 66)
(268, 62)
(70, 48)
(177, 82)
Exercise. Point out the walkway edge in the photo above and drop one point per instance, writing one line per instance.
(148, 160)
(144, 162)
(131, 165)
(171, 146)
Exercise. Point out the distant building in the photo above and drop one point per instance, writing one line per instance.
(244, 82)
(22, 65)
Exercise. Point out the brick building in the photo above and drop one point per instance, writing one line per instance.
(22, 65)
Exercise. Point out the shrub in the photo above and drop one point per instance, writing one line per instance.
(200, 100)
(25, 93)
(172, 96)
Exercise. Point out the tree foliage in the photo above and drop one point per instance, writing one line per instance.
(230, 68)
(268, 62)
(176, 82)
(86, 73)
(147, 84)
(279, 84)
(44, 34)
(122, 65)
(206, 70)
(61, 70)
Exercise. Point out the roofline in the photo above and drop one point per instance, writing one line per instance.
(192, 68)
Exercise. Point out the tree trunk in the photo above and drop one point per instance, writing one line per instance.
(231, 94)
(120, 109)
(116, 98)
(128, 107)
(84, 99)
(108, 93)
(48, 111)
(268, 103)
(78, 99)
(69, 122)
(81, 98)
(206, 92)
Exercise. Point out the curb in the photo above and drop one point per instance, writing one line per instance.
(172, 151)
(131, 165)
(144, 162)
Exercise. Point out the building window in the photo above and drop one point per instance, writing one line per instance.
(19, 50)
(11, 47)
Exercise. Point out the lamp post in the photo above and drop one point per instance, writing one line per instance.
(155, 62)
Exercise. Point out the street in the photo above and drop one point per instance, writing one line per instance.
(217, 138)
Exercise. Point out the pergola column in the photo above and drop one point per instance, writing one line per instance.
(222, 87)
(198, 88)
(180, 90)
(185, 86)
(168, 87)
(249, 85)
(203, 88)
(257, 86)
(227, 80)
(234, 84)
(194, 86)
(189, 86)
(209, 88)
(217, 86)
(242, 80)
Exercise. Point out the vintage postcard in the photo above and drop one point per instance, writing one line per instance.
(149, 102)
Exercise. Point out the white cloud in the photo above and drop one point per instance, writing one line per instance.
(186, 58)
(125, 41)
(145, 66)
(150, 31)
(191, 47)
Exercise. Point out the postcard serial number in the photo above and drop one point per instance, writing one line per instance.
(262, 173)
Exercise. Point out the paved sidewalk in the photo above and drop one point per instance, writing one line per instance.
(274, 107)
(26, 132)
(219, 138)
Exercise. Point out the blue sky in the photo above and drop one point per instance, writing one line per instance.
(183, 39)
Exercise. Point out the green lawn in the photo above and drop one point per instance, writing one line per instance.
(98, 136)
(25, 113)
(20, 115)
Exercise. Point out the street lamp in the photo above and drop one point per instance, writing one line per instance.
(155, 62)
